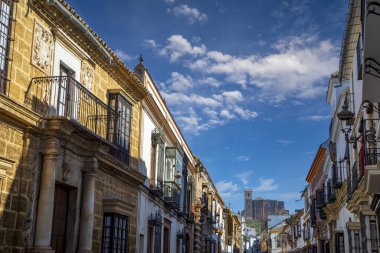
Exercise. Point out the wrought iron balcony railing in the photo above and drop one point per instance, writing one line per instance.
(321, 198)
(331, 192)
(337, 174)
(172, 194)
(372, 155)
(63, 96)
(157, 189)
(356, 175)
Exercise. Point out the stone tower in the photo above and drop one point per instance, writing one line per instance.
(248, 204)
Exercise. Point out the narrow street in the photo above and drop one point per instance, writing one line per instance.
(173, 126)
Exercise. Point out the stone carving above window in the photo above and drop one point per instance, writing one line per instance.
(87, 75)
(42, 51)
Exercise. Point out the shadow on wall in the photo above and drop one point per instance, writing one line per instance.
(20, 160)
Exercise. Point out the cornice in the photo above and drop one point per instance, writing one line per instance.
(113, 65)
(19, 113)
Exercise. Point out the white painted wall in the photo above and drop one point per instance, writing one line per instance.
(62, 54)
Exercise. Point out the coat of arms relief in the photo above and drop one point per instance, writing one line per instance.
(87, 75)
(42, 51)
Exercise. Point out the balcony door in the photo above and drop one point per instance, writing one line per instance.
(63, 91)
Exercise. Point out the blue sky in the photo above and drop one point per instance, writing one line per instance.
(245, 79)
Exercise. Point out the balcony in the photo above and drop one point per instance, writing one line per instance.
(371, 17)
(172, 194)
(157, 189)
(330, 192)
(62, 97)
(321, 198)
(337, 174)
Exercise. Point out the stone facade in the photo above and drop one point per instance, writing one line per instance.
(60, 154)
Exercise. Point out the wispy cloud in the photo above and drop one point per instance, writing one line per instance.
(243, 158)
(227, 189)
(244, 177)
(192, 15)
(266, 184)
(123, 55)
(316, 117)
(285, 142)
(196, 113)
(288, 72)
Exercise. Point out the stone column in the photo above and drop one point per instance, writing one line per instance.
(87, 210)
(42, 240)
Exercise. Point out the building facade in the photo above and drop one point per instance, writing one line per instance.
(91, 159)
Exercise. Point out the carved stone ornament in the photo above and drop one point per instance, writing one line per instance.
(87, 75)
(42, 51)
(66, 172)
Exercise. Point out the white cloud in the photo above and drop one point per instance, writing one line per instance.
(266, 184)
(123, 55)
(232, 97)
(244, 177)
(151, 43)
(294, 69)
(245, 113)
(227, 189)
(177, 47)
(192, 15)
(169, 1)
(243, 158)
(284, 142)
(179, 82)
(316, 117)
(210, 81)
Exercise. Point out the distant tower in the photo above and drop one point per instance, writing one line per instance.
(248, 204)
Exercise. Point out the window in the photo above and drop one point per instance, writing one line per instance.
(119, 128)
(356, 245)
(115, 233)
(5, 29)
(359, 61)
(339, 241)
(157, 239)
(158, 158)
(373, 234)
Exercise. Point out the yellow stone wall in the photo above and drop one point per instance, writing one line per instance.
(18, 185)
(106, 186)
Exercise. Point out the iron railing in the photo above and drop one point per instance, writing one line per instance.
(157, 188)
(370, 140)
(63, 96)
(372, 155)
(337, 174)
(321, 198)
(356, 176)
(331, 192)
(172, 194)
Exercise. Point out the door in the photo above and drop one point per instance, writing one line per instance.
(61, 204)
(69, 91)
(166, 240)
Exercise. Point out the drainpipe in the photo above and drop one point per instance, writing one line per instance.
(78, 24)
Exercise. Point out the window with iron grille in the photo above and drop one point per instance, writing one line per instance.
(5, 29)
(339, 241)
(356, 247)
(373, 234)
(115, 233)
(157, 239)
(120, 127)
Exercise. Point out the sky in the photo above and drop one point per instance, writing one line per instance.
(245, 80)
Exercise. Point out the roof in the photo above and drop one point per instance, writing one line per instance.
(318, 160)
